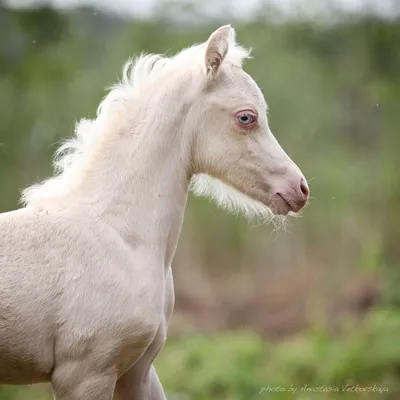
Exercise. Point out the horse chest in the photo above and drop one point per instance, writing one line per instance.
(114, 311)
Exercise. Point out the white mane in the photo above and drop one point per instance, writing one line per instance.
(70, 155)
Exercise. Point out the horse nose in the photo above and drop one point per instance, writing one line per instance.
(294, 190)
(301, 194)
(305, 191)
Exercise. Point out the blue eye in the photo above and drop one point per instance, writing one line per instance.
(246, 118)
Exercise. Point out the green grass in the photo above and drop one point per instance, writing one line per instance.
(242, 366)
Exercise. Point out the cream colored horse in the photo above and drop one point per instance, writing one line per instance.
(86, 290)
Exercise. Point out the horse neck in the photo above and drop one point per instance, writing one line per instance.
(141, 182)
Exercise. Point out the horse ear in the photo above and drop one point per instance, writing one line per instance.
(217, 47)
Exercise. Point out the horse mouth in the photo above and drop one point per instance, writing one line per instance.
(289, 204)
(285, 205)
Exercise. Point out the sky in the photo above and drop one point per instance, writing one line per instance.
(239, 8)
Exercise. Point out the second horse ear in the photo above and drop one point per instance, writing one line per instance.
(217, 47)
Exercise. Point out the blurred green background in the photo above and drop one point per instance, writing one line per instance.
(309, 312)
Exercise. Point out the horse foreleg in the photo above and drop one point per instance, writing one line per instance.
(135, 385)
(155, 389)
(69, 384)
(141, 381)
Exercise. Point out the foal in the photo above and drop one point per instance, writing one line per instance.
(86, 291)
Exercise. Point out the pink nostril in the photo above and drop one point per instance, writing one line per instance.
(304, 188)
